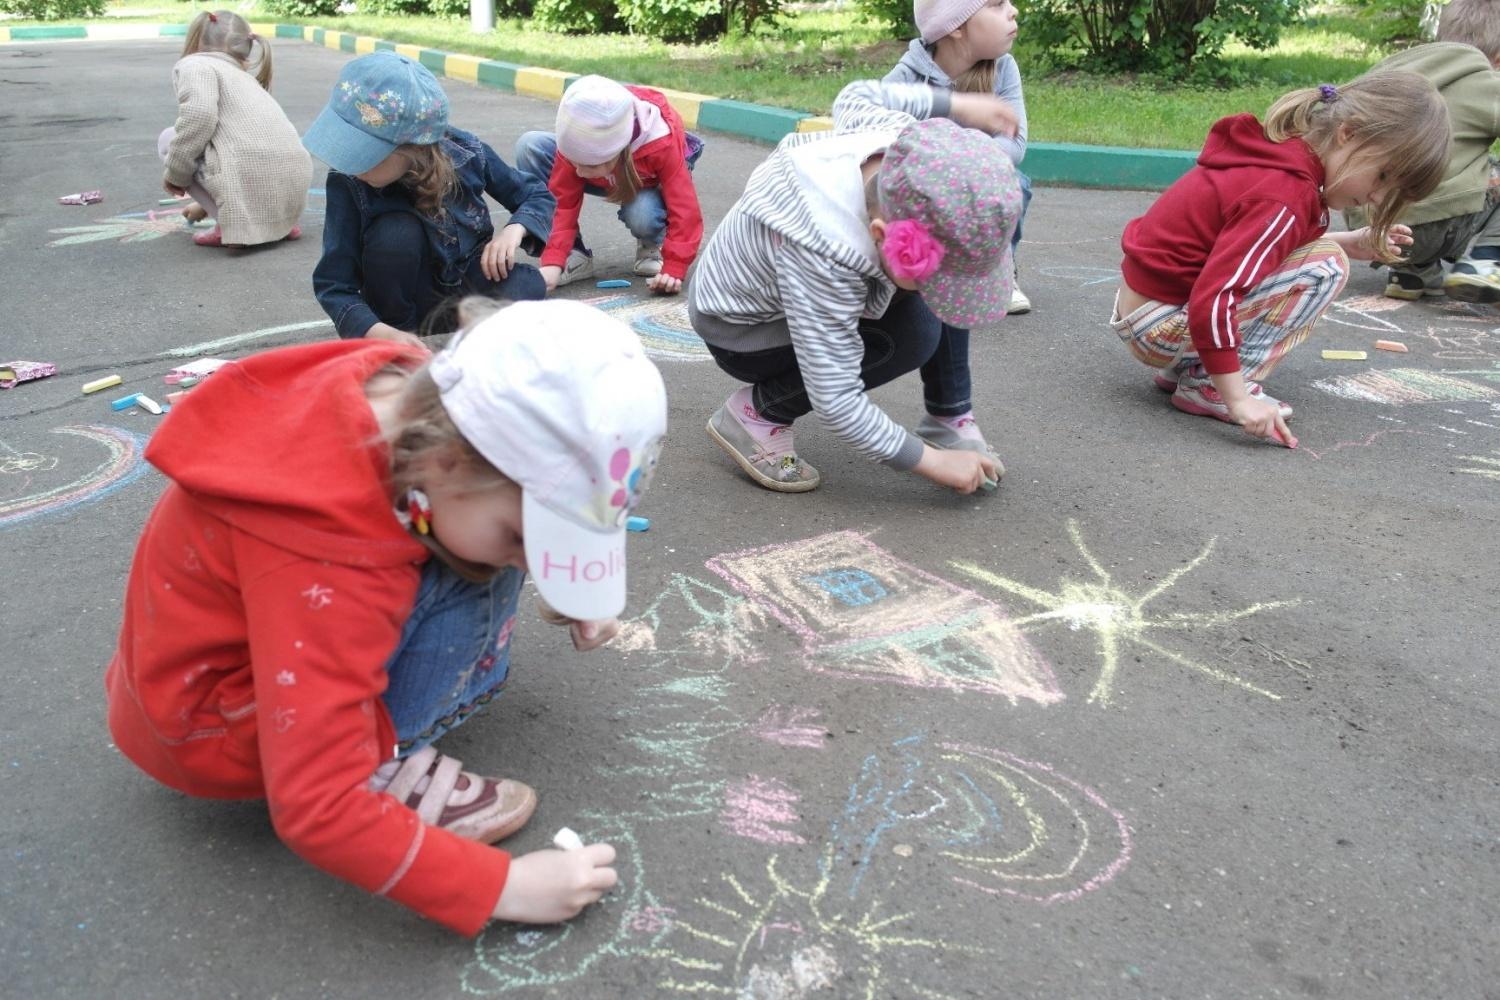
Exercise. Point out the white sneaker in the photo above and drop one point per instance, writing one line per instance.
(580, 264)
(647, 259)
(1019, 303)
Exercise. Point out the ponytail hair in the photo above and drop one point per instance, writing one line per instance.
(227, 32)
(627, 180)
(1393, 118)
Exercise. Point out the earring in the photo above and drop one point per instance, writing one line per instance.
(419, 510)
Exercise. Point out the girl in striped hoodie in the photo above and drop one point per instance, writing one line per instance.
(1230, 268)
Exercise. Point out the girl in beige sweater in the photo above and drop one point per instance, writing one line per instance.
(233, 148)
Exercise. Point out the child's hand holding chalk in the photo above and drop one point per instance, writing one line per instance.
(566, 840)
(548, 887)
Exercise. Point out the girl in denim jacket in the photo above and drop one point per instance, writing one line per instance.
(407, 228)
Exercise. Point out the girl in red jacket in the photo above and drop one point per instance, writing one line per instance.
(329, 584)
(1230, 268)
(628, 145)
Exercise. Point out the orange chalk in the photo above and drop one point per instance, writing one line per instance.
(1390, 345)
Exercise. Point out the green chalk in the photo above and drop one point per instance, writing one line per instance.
(989, 485)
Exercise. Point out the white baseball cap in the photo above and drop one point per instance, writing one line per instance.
(562, 399)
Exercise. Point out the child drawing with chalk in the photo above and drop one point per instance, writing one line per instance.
(965, 46)
(1233, 265)
(629, 146)
(330, 581)
(854, 257)
(407, 232)
(232, 148)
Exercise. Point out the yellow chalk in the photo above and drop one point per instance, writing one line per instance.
(102, 383)
(1345, 355)
(1390, 345)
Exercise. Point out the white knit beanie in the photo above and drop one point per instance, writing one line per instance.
(595, 120)
(936, 18)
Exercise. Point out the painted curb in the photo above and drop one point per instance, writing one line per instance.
(1064, 164)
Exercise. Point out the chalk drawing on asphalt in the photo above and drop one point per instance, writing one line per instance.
(1484, 466)
(863, 614)
(35, 494)
(986, 819)
(1119, 618)
(144, 227)
(660, 321)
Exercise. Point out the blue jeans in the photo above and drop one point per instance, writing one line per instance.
(399, 275)
(645, 215)
(909, 336)
(1025, 182)
(454, 653)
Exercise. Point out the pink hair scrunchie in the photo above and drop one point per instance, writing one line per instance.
(910, 251)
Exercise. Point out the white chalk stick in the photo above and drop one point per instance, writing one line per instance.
(566, 840)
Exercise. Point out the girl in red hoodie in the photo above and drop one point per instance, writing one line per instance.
(627, 144)
(329, 584)
(1230, 268)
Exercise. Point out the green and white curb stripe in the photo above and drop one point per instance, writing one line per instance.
(1046, 162)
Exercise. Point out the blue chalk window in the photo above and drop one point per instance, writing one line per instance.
(850, 586)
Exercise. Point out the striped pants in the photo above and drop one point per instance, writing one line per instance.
(1273, 317)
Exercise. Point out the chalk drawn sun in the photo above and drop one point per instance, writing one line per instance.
(1119, 619)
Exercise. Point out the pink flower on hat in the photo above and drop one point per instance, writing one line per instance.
(910, 251)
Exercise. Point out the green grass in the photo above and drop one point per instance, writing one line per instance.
(804, 64)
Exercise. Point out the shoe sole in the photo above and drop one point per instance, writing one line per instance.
(1019, 312)
(775, 485)
(1409, 295)
(1464, 289)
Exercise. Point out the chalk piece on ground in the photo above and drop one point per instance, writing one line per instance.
(903, 850)
(638, 524)
(1345, 355)
(612, 283)
(102, 383)
(197, 370)
(82, 198)
(171, 201)
(989, 485)
(566, 840)
(173, 398)
(148, 404)
(124, 402)
(16, 372)
(1390, 345)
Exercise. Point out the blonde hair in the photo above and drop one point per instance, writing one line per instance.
(1394, 118)
(627, 180)
(227, 32)
(427, 437)
(1472, 22)
(429, 176)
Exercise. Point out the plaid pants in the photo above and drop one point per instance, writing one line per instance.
(1273, 317)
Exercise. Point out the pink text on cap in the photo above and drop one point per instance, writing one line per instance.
(592, 571)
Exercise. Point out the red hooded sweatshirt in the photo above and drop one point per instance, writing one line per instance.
(268, 590)
(1223, 227)
(661, 163)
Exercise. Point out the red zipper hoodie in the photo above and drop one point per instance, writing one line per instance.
(661, 163)
(1223, 227)
(268, 590)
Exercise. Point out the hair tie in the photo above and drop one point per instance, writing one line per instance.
(213, 18)
(1328, 92)
(910, 250)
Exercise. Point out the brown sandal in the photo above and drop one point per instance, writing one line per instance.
(474, 807)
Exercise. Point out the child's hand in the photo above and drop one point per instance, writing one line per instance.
(664, 284)
(585, 635)
(173, 189)
(548, 887)
(1357, 245)
(550, 274)
(986, 112)
(964, 471)
(500, 255)
(384, 331)
(1262, 419)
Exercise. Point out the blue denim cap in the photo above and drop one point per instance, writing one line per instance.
(382, 100)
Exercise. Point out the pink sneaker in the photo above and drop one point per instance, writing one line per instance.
(1165, 383)
(1203, 400)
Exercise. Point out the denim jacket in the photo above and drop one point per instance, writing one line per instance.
(455, 239)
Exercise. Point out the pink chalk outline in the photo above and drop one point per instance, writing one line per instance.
(760, 809)
(123, 465)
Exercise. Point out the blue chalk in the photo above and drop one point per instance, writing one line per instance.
(638, 524)
(124, 402)
(613, 283)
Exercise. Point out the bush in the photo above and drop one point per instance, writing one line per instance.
(1176, 39)
(1390, 21)
(673, 20)
(577, 17)
(301, 8)
(895, 16)
(53, 10)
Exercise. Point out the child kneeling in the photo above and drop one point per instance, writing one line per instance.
(329, 583)
(852, 258)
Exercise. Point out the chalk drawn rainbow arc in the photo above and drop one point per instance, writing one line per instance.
(122, 465)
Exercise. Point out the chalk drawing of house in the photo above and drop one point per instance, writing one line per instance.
(863, 614)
